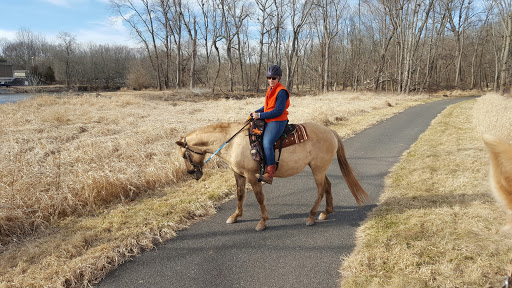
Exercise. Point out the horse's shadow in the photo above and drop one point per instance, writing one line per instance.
(351, 216)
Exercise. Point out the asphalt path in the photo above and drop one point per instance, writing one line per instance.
(288, 253)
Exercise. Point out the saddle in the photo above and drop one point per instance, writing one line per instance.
(292, 134)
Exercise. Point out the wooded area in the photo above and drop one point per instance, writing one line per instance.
(322, 45)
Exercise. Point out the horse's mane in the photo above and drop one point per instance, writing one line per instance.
(219, 127)
(222, 125)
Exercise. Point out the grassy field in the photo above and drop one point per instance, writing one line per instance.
(87, 181)
(437, 224)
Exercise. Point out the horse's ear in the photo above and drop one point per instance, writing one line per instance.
(180, 143)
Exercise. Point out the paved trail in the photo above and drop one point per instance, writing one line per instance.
(287, 254)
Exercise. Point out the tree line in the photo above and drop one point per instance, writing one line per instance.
(322, 45)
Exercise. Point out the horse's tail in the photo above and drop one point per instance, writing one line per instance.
(355, 187)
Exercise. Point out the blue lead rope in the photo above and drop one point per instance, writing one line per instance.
(216, 152)
(246, 123)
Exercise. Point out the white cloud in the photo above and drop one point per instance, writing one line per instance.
(116, 22)
(8, 34)
(61, 3)
(110, 31)
(71, 3)
(102, 37)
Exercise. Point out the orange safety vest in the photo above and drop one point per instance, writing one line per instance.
(270, 102)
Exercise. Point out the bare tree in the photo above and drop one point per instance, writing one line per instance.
(300, 13)
(331, 13)
(435, 32)
(190, 23)
(458, 12)
(216, 18)
(478, 52)
(140, 18)
(26, 48)
(68, 43)
(206, 32)
(103, 65)
(409, 18)
(264, 6)
(233, 13)
(504, 11)
(384, 34)
(164, 18)
(177, 27)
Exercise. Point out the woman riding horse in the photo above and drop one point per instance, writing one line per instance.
(275, 114)
(322, 145)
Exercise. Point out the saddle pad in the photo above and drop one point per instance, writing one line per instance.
(298, 136)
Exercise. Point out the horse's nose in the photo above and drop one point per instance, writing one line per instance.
(191, 172)
(198, 174)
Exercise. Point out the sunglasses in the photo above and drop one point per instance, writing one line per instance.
(273, 78)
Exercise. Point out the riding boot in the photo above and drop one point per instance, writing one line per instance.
(269, 175)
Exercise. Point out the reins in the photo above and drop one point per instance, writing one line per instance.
(245, 125)
(187, 153)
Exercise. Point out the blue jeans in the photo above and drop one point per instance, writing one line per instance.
(273, 131)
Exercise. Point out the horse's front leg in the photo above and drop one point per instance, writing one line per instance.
(260, 197)
(240, 193)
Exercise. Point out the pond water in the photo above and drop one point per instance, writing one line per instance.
(11, 98)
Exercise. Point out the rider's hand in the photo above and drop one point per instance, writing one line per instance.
(255, 115)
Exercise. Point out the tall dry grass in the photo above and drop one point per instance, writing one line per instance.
(71, 156)
(492, 115)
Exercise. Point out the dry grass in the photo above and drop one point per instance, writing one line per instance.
(78, 251)
(437, 224)
(493, 115)
(86, 182)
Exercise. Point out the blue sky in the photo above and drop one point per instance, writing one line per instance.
(87, 20)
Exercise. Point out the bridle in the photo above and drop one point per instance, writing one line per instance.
(197, 167)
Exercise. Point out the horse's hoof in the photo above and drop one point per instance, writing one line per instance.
(310, 222)
(231, 220)
(261, 227)
(322, 216)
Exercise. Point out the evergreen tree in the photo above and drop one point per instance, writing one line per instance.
(49, 75)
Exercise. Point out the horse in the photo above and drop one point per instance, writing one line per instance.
(317, 152)
(500, 178)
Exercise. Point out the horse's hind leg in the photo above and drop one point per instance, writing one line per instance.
(329, 207)
(321, 182)
(240, 193)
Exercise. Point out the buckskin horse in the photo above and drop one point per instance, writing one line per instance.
(317, 152)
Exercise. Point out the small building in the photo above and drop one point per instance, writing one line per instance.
(6, 73)
(6, 70)
(9, 77)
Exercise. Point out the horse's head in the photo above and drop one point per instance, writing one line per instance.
(194, 158)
